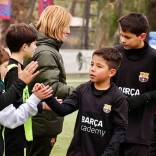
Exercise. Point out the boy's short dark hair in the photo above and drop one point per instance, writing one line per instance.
(111, 55)
(135, 23)
(18, 34)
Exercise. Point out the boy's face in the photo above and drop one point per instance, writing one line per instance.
(29, 49)
(132, 41)
(99, 70)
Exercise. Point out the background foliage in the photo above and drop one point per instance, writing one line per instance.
(103, 16)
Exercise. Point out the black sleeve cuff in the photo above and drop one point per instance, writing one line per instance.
(50, 101)
(39, 107)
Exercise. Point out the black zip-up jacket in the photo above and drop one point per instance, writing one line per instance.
(136, 76)
(8, 98)
(14, 138)
(101, 121)
(12, 94)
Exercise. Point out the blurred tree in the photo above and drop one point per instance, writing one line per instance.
(151, 12)
(22, 11)
(111, 10)
(106, 29)
(105, 24)
(73, 6)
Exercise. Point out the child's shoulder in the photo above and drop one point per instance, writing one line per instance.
(13, 62)
(84, 86)
(116, 92)
(152, 51)
(12, 66)
(12, 69)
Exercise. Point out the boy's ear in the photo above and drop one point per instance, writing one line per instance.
(24, 46)
(112, 72)
(143, 36)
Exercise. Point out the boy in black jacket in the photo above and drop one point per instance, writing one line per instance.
(136, 76)
(21, 41)
(14, 92)
(102, 109)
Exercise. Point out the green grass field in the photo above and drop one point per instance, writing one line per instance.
(64, 138)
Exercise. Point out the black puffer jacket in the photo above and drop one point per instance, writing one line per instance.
(52, 72)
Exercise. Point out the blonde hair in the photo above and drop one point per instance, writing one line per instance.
(53, 20)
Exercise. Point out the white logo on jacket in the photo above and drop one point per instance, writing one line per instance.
(130, 91)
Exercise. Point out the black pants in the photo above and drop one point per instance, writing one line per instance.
(1, 142)
(41, 146)
(14, 141)
(153, 140)
(130, 149)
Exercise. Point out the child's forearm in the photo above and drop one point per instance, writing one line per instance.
(11, 117)
(55, 106)
(61, 109)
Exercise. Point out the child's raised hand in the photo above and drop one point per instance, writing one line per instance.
(28, 73)
(42, 91)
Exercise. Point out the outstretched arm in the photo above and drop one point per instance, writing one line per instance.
(68, 106)
(11, 117)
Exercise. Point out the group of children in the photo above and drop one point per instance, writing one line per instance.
(108, 123)
(12, 117)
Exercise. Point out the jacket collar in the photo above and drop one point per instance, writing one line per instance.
(42, 39)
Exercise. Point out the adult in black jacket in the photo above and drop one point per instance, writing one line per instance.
(136, 76)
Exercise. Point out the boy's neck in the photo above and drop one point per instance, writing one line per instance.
(102, 85)
(18, 57)
(142, 44)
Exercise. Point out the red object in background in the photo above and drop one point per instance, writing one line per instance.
(42, 4)
(5, 9)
